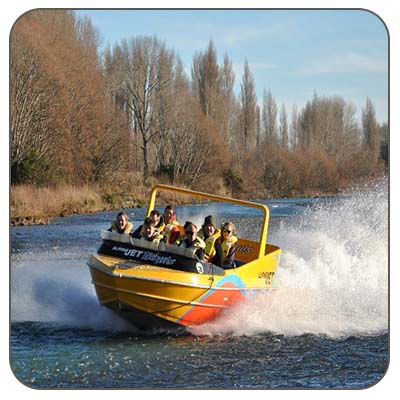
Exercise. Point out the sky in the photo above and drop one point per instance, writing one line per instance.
(292, 53)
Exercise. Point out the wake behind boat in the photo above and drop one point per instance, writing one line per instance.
(163, 285)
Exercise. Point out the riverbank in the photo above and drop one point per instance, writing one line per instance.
(31, 205)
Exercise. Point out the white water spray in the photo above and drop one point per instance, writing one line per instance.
(59, 292)
(332, 278)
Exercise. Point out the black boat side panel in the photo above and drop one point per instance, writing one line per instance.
(158, 258)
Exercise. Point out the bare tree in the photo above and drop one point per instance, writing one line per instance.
(329, 122)
(283, 127)
(248, 103)
(228, 102)
(32, 131)
(294, 128)
(269, 117)
(371, 131)
(258, 126)
(196, 145)
(206, 80)
(164, 105)
(61, 125)
(143, 80)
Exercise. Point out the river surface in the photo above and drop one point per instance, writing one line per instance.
(325, 327)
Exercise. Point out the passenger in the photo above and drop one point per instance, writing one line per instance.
(192, 241)
(121, 224)
(158, 223)
(172, 230)
(150, 233)
(225, 247)
(209, 233)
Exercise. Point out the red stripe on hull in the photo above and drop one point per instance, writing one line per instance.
(198, 315)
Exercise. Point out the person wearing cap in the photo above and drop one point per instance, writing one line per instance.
(209, 233)
(192, 241)
(121, 224)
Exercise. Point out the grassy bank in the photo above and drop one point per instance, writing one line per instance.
(37, 205)
(32, 205)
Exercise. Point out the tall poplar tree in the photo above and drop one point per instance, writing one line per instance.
(269, 117)
(144, 79)
(283, 127)
(371, 131)
(206, 80)
(248, 101)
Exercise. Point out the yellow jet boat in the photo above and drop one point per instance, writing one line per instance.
(162, 285)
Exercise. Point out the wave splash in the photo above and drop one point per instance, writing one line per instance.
(59, 292)
(333, 275)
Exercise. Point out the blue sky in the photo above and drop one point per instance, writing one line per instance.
(294, 53)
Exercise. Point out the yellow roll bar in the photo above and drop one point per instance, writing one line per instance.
(223, 199)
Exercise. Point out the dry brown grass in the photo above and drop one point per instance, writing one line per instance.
(30, 204)
(30, 201)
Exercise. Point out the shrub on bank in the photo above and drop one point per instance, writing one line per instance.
(317, 170)
(281, 175)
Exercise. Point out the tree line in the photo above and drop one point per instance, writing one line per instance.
(78, 116)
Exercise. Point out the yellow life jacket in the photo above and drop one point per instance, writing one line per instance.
(127, 230)
(210, 244)
(159, 229)
(227, 244)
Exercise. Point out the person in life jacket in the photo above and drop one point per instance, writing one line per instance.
(158, 224)
(225, 247)
(121, 224)
(209, 233)
(173, 231)
(150, 233)
(192, 241)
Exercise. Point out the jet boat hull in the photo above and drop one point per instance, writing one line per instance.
(158, 284)
(148, 295)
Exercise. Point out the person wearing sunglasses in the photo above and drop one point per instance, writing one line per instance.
(192, 241)
(225, 247)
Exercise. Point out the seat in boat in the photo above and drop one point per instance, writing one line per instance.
(156, 246)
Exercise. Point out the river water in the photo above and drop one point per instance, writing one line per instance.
(325, 327)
